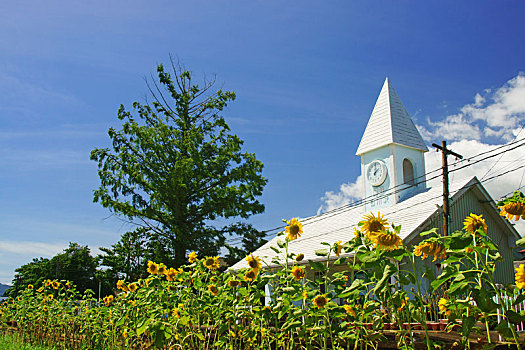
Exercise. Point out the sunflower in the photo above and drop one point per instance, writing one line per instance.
(299, 257)
(234, 283)
(68, 284)
(338, 248)
(192, 257)
(443, 306)
(297, 272)
(153, 268)
(267, 309)
(320, 301)
(171, 273)
(161, 269)
(55, 284)
(294, 229)
(122, 286)
(403, 304)
(175, 312)
(387, 240)
(212, 262)
(520, 277)
(254, 262)
(425, 249)
(212, 288)
(124, 334)
(513, 210)
(133, 287)
(48, 283)
(349, 310)
(40, 290)
(304, 294)
(373, 224)
(251, 275)
(29, 286)
(108, 299)
(357, 233)
(473, 222)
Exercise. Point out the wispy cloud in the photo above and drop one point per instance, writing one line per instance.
(13, 86)
(14, 254)
(81, 131)
(31, 248)
(35, 159)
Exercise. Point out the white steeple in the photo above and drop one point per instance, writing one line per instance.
(392, 153)
(390, 123)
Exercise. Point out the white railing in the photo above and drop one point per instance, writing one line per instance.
(508, 303)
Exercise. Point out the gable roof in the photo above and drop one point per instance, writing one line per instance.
(413, 214)
(390, 123)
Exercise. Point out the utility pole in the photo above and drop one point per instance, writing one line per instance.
(446, 210)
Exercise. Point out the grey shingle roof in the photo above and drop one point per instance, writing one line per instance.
(339, 225)
(390, 123)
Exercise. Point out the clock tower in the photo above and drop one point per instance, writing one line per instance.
(392, 153)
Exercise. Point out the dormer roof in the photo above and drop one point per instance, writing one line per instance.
(390, 124)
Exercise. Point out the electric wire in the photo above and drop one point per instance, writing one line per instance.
(493, 165)
(389, 192)
(410, 207)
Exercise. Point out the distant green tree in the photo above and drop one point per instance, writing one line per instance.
(74, 264)
(33, 273)
(176, 168)
(77, 265)
(127, 259)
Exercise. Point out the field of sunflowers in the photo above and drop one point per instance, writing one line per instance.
(199, 306)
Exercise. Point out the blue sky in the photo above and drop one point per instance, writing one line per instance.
(306, 74)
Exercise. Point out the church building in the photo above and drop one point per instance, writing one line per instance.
(393, 167)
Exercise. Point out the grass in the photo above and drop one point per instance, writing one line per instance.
(13, 342)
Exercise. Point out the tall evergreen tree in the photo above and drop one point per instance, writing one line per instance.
(176, 167)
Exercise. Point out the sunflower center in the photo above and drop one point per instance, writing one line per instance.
(375, 226)
(514, 208)
(294, 229)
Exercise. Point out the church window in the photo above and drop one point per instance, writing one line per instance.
(408, 172)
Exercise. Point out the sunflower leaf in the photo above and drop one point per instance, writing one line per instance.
(429, 232)
(316, 265)
(321, 252)
(515, 317)
(519, 299)
(521, 242)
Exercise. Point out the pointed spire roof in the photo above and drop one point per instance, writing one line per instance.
(390, 123)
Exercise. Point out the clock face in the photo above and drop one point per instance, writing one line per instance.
(376, 173)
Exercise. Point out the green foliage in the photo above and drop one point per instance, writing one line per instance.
(176, 167)
(14, 342)
(198, 306)
(127, 258)
(74, 264)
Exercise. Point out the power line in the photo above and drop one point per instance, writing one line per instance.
(493, 165)
(412, 206)
(396, 189)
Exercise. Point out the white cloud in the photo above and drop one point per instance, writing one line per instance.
(498, 120)
(32, 248)
(348, 192)
(12, 158)
(14, 254)
(493, 114)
